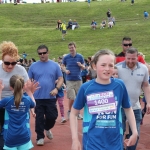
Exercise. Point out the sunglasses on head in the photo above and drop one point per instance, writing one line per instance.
(130, 44)
(42, 53)
(10, 63)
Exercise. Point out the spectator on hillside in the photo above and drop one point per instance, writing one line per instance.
(93, 24)
(108, 14)
(114, 20)
(89, 1)
(75, 25)
(132, 2)
(69, 24)
(146, 14)
(24, 55)
(103, 24)
(110, 23)
(58, 24)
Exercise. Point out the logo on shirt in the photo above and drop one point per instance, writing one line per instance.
(140, 74)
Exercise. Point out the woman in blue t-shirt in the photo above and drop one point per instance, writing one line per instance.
(16, 127)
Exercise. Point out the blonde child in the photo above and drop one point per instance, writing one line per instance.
(102, 99)
(115, 72)
(16, 127)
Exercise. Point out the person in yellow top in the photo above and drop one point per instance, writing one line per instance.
(63, 28)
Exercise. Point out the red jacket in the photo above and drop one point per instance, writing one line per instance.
(120, 59)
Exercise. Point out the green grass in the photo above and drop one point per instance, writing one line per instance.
(29, 25)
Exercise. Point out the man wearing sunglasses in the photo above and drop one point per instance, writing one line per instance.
(46, 72)
(126, 43)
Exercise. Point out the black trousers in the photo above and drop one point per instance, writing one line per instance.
(46, 115)
(1, 142)
(83, 79)
(2, 113)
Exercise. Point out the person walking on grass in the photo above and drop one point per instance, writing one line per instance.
(102, 99)
(46, 72)
(64, 30)
(72, 65)
(16, 128)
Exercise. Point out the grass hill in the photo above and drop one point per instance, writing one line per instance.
(29, 25)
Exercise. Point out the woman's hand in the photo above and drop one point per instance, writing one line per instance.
(1, 85)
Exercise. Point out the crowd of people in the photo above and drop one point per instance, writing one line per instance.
(111, 21)
(93, 84)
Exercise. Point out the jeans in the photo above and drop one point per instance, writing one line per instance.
(138, 118)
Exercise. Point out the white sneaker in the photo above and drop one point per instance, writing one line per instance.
(49, 134)
(63, 120)
(79, 117)
(40, 142)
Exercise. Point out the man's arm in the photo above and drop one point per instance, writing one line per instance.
(64, 69)
(146, 89)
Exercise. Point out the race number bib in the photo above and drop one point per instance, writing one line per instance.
(101, 102)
